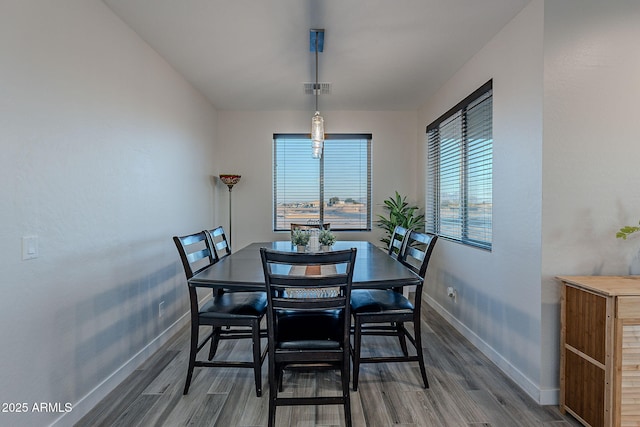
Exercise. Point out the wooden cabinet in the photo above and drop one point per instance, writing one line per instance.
(600, 349)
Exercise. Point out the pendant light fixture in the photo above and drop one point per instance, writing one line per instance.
(317, 122)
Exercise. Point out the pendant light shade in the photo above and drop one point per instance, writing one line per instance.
(317, 121)
(317, 135)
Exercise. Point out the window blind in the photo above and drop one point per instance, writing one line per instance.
(460, 171)
(334, 189)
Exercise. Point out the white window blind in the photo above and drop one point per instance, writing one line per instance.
(460, 171)
(334, 189)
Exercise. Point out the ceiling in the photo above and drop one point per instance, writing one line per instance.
(378, 54)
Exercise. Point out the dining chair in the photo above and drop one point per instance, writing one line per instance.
(308, 320)
(385, 311)
(232, 316)
(396, 241)
(219, 242)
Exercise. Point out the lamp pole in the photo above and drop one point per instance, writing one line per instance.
(230, 229)
(230, 180)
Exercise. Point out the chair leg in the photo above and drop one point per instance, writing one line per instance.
(272, 413)
(257, 360)
(215, 340)
(193, 351)
(345, 393)
(401, 337)
(357, 340)
(273, 393)
(280, 375)
(417, 335)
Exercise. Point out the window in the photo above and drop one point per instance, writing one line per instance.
(335, 189)
(460, 171)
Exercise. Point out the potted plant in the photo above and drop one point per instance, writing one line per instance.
(400, 213)
(625, 231)
(326, 239)
(300, 238)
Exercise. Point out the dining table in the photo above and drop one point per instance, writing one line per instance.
(242, 270)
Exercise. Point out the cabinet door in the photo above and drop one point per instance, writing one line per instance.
(586, 323)
(585, 336)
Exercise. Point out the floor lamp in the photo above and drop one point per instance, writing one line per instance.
(230, 180)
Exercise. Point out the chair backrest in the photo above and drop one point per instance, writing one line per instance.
(219, 242)
(307, 282)
(396, 240)
(417, 251)
(195, 253)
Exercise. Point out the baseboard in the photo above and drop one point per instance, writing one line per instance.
(541, 396)
(87, 402)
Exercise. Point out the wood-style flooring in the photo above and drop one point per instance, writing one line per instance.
(466, 389)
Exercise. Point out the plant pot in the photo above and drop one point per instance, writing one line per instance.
(325, 248)
(301, 248)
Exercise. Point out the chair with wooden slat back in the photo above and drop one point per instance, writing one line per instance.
(396, 241)
(219, 242)
(385, 311)
(231, 315)
(308, 321)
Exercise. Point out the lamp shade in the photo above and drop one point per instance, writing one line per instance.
(317, 135)
(230, 179)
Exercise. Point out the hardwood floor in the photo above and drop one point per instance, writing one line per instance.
(466, 389)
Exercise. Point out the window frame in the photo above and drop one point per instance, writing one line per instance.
(321, 178)
(433, 212)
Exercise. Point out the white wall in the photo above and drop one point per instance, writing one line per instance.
(591, 148)
(565, 93)
(246, 147)
(106, 153)
(498, 292)
(94, 125)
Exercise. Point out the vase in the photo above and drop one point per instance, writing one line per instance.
(634, 266)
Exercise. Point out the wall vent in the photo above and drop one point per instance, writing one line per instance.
(324, 88)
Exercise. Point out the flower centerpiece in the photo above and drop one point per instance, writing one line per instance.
(326, 239)
(300, 238)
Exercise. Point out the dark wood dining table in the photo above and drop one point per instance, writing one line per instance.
(242, 270)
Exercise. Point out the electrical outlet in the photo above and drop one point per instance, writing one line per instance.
(161, 309)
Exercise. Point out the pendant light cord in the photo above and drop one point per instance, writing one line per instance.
(316, 89)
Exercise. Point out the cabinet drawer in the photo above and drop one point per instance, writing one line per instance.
(628, 307)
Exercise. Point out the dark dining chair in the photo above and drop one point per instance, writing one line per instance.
(385, 311)
(396, 241)
(232, 316)
(219, 242)
(308, 321)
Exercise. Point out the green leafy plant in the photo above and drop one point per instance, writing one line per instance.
(624, 232)
(300, 237)
(326, 238)
(399, 213)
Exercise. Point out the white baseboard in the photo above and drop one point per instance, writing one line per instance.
(87, 402)
(542, 397)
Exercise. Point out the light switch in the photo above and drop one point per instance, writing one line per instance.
(29, 247)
